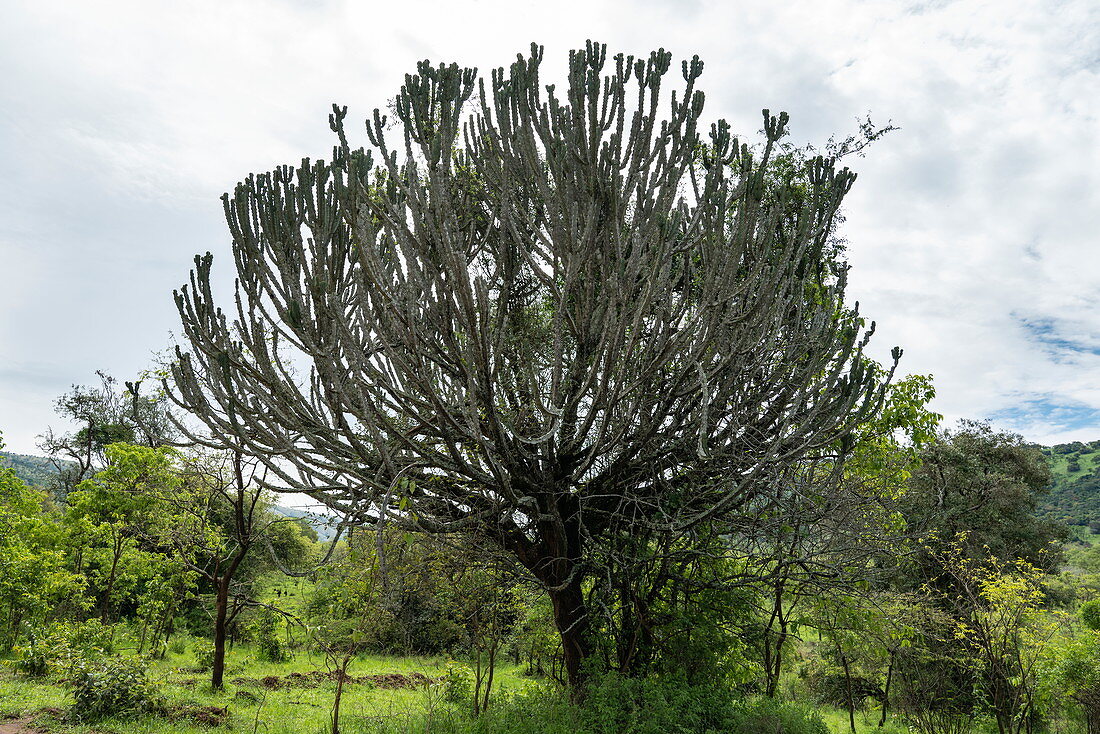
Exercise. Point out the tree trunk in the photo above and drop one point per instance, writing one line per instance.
(110, 590)
(886, 690)
(342, 672)
(571, 619)
(489, 679)
(221, 612)
(848, 690)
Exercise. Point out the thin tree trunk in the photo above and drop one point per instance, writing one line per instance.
(489, 680)
(105, 609)
(848, 690)
(477, 684)
(221, 612)
(343, 674)
(886, 690)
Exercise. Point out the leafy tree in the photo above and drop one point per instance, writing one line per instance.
(1000, 621)
(827, 547)
(567, 326)
(225, 525)
(105, 415)
(982, 486)
(35, 582)
(118, 508)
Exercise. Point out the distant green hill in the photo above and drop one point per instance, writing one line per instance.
(1075, 492)
(33, 470)
(324, 524)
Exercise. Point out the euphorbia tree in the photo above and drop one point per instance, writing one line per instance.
(562, 316)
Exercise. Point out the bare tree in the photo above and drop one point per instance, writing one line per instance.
(550, 320)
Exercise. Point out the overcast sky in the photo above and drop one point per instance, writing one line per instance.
(973, 231)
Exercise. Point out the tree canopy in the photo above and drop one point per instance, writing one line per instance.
(543, 318)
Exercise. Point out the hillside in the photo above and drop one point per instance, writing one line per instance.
(1075, 494)
(33, 470)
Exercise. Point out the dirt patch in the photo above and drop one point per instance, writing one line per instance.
(205, 715)
(21, 725)
(17, 724)
(315, 678)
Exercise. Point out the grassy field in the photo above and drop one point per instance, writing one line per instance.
(274, 698)
(1088, 461)
(296, 698)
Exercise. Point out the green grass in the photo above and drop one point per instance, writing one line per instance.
(255, 708)
(1084, 535)
(1088, 461)
(866, 722)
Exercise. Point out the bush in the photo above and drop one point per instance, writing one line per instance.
(61, 649)
(540, 709)
(831, 688)
(267, 630)
(204, 655)
(619, 705)
(770, 716)
(1090, 614)
(458, 683)
(178, 646)
(119, 689)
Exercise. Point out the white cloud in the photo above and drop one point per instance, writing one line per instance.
(122, 122)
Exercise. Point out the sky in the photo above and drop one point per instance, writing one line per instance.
(973, 230)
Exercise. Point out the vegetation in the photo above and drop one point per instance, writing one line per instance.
(599, 447)
(1075, 493)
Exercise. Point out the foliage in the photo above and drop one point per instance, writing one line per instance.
(457, 682)
(106, 414)
(1072, 674)
(119, 689)
(267, 632)
(590, 342)
(617, 704)
(1000, 621)
(36, 584)
(769, 715)
(1090, 614)
(978, 487)
(64, 648)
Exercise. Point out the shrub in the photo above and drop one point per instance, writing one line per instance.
(178, 646)
(539, 709)
(119, 689)
(63, 648)
(771, 716)
(457, 680)
(204, 655)
(831, 688)
(1090, 614)
(270, 645)
(619, 705)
